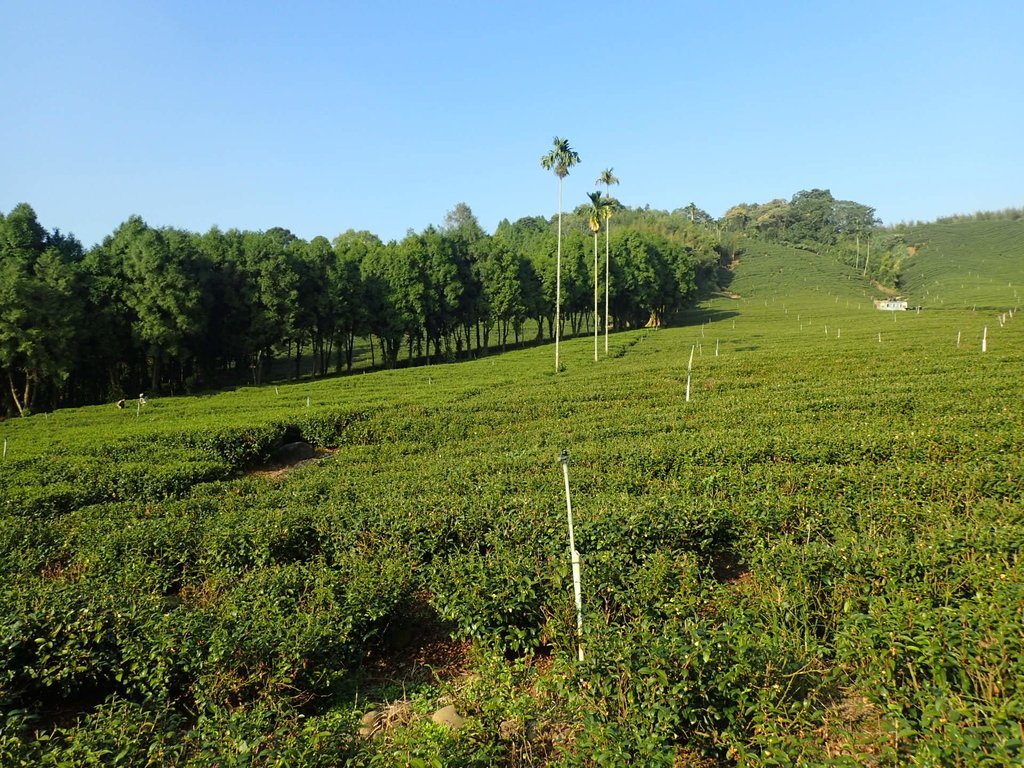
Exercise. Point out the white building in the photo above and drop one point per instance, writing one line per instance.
(892, 305)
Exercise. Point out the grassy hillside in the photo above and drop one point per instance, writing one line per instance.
(966, 264)
(815, 560)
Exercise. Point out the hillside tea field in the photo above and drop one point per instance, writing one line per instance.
(814, 561)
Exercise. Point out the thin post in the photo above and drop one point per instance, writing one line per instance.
(984, 340)
(574, 557)
(595, 297)
(558, 279)
(689, 368)
(607, 256)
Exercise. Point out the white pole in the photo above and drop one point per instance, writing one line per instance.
(574, 556)
(958, 339)
(984, 340)
(5, 447)
(689, 368)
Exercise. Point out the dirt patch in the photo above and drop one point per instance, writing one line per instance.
(275, 469)
(729, 568)
(854, 727)
(884, 289)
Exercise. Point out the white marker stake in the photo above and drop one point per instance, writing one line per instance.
(575, 558)
(984, 340)
(958, 339)
(689, 368)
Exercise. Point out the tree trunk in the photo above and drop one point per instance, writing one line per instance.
(14, 394)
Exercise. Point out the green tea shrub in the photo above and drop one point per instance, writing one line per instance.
(499, 598)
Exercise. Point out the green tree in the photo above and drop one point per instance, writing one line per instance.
(560, 159)
(467, 245)
(318, 261)
(273, 285)
(40, 307)
(161, 292)
(348, 290)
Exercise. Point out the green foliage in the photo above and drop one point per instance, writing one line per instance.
(815, 560)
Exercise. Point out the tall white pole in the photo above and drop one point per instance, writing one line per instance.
(575, 558)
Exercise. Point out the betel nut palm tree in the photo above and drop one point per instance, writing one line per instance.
(560, 159)
(595, 215)
(607, 178)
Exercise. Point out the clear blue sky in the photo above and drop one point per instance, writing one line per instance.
(325, 116)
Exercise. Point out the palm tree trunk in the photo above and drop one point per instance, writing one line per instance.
(558, 276)
(607, 251)
(595, 297)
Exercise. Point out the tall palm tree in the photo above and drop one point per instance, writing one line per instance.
(595, 214)
(560, 159)
(607, 178)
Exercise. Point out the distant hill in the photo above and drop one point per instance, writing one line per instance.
(965, 264)
(954, 264)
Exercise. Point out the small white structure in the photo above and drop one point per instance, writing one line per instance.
(891, 305)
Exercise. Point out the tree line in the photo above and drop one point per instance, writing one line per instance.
(168, 310)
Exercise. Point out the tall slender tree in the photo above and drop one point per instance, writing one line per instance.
(607, 178)
(560, 159)
(595, 215)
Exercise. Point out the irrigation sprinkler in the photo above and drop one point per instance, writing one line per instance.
(574, 556)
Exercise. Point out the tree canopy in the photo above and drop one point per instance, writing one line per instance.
(165, 309)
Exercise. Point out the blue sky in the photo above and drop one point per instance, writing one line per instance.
(325, 116)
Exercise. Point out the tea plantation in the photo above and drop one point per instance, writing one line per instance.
(815, 560)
